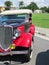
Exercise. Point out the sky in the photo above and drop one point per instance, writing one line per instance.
(40, 3)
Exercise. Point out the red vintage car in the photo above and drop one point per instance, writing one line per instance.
(16, 32)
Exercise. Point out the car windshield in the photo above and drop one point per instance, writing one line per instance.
(15, 18)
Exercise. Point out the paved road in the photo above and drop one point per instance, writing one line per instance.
(40, 55)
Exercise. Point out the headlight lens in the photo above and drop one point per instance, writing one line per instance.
(17, 33)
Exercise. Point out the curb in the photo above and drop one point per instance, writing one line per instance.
(43, 34)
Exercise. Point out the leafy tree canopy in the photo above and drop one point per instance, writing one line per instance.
(31, 6)
(21, 3)
(8, 3)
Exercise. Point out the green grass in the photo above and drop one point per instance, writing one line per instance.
(41, 20)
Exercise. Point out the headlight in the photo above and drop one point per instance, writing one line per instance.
(17, 33)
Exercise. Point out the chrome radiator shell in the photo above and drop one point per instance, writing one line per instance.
(6, 33)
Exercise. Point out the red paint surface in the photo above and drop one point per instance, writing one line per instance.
(22, 28)
(24, 41)
(32, 29)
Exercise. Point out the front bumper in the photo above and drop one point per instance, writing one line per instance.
(14, 52)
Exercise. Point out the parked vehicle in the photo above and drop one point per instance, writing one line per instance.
(16, 32)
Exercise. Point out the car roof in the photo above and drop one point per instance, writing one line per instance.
(20, 11)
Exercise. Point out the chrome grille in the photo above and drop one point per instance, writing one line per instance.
(5, 37)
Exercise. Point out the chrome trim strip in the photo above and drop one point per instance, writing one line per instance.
(13, 52)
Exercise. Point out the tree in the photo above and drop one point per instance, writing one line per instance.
(48, 9)
(33, 6)
(44, 9)
(21, 4)
(8, 4)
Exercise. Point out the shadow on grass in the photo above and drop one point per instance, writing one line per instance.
(43, 58)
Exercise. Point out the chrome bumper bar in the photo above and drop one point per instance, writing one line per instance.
(14, 52)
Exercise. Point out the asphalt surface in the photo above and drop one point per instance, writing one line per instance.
(40, 55)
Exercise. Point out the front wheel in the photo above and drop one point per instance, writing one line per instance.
(29, 55)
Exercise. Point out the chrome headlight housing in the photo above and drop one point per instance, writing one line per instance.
(17, 33)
